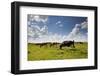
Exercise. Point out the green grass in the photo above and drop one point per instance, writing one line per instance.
(54, 53)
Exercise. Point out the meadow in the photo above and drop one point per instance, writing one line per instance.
(35, 52)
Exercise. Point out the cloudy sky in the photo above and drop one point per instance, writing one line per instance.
(43, 28)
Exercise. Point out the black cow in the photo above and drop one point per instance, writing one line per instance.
(67, 43)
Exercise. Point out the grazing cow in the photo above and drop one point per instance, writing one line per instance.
(67, 43)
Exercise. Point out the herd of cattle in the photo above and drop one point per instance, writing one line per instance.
(63, 44)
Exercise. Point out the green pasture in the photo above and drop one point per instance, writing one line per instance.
(36, 53)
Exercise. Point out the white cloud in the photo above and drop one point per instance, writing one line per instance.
(38, 18)
(84, 25)
(28, 23)
(60, 25)
(37, 32)
(44, 30)
(58, 22)
(76, 35)
(75, 31)
(48, 38)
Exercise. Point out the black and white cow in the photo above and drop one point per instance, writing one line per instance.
(67, 43)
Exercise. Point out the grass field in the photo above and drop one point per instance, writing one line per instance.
(54, 53)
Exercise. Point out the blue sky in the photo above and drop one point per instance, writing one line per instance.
(43, 28)
(67, 23)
